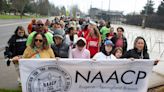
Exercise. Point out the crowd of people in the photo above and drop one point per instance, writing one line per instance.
(72, 38)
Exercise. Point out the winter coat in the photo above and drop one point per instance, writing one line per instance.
(17, 45)
(103, 55)
(84, 54)
(133, 53)
(32, 53)
(61, 50)
(114, 40)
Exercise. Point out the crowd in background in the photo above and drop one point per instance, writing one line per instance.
(64, 37)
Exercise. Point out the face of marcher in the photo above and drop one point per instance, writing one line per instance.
(75, 31)
(33, 21)
(58, 40)
(90, 27)
(20, 33)
(92, 31)
(119, 32)
(80, 48)
(112, 29)
(47, 23)
(118, 54)
(39, 26)
(56, 26)
(39, 41)
(140, 44)
(71, 32)
(108, 48)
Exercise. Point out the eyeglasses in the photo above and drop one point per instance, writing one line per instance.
(40, 24)
(20, 32)
(36, 40)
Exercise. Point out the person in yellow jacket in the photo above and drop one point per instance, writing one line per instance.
(39, 48)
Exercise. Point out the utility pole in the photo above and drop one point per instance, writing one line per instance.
(101, 5)
(36, 6)
(145, 15)
(134, 6)
(71, 9)
(48, 8)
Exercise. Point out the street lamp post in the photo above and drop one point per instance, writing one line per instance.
(109, 6)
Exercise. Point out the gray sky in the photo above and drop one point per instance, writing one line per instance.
(127, 6)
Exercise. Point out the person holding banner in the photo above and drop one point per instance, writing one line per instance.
(106, 52)
(39, 48)
(80, 50)
(139, 51)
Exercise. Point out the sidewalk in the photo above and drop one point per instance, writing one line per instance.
(8, 76)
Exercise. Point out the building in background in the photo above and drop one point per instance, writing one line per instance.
(112, 16)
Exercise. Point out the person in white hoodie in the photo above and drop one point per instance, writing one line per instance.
(106, 52)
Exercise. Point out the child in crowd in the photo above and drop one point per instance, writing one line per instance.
(118, 52)
(106, 53)
(80, 51)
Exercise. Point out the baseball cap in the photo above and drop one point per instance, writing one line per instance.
(108, 42)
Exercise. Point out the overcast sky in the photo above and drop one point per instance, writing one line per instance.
(127, 6)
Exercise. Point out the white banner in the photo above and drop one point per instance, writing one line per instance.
(76, 75)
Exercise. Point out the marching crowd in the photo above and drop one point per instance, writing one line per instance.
(72, 38)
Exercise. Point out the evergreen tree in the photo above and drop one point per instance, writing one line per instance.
(160, 10)
(63, 10)
(149, 8)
